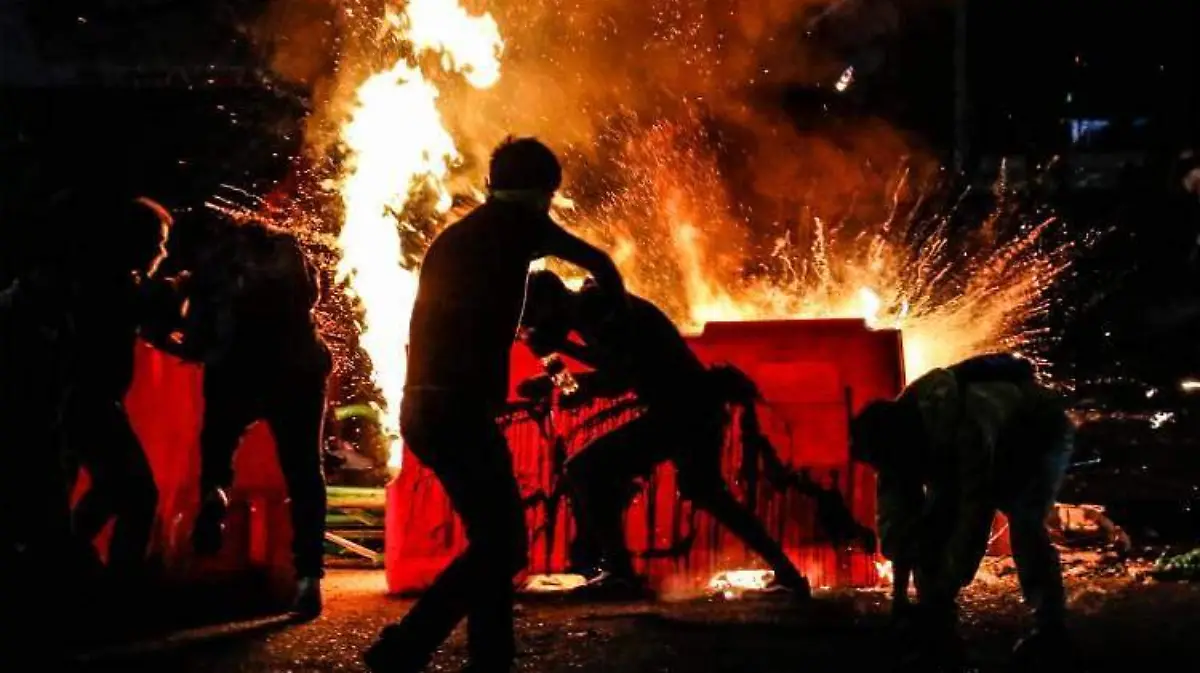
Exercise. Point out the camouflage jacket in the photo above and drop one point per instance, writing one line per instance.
(945, 503)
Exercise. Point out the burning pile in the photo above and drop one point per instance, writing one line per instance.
(397, 145)
(733, 584)
(799, 227)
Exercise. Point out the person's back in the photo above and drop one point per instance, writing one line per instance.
(949, 454)
(472, 287)
(649, 351)
(105, 314)
(277, 288)
(250, 291)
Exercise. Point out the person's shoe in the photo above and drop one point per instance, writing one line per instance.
(307, 604)
(795, 584)
(388, 654)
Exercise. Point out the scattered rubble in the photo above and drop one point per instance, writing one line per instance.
(1178, 567)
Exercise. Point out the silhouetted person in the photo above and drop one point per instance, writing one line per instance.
(684, 422)
(43, 566)
(250, 292)
(115, 256)
(956, 446)
(463, 326)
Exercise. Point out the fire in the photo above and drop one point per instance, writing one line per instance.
(554, 583)
(397, 146)
(652, 192)
(883, 569)
(733, 583)
(950, 298)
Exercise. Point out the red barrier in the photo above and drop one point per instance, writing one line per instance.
(165, 406)
(814, 375)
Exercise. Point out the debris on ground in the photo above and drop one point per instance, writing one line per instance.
(1086, 526)
(1177, 567)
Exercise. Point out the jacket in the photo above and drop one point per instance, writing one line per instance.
(975, 440)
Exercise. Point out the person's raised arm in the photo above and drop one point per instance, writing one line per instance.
(569, 248)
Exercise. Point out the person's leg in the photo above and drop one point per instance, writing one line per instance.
(1037, 561)
(600, 478)
(228, 412)
(295, 419)
(122, 483)
(714, 497)
(698, 464)
(460, 442)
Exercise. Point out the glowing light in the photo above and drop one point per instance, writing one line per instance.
(554, 583)
(733, 583)
(398, 145)
(884, 571)
(1190, 386)
(845, 80)
(1161, 418)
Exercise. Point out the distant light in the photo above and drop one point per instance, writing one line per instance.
(1160, 419)
(1190, 385)
(845, 80)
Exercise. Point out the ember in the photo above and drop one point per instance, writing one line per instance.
(554, 583)
(732, 584)
(845, 80)
(883, 569)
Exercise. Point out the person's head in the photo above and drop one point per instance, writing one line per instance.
(112, 232)
(148, 226)
(523, 170)
(549, 306)
(132, 234)
(879, 433)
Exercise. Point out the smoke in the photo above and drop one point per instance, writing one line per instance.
(690, 161)
(574, 68)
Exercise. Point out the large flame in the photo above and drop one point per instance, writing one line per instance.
(653, 193)
(397, 144)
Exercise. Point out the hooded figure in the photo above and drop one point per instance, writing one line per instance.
(957, 445)
(110, 301)
(247, 295)
(684, 423)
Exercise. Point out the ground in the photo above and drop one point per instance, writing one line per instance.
(1119, 620)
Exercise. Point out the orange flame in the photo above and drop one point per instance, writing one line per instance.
(398, 145)
(663, 210)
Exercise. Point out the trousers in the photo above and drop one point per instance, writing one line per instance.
(122, 484)
(292, 403)
(601, 476)
(457, 438)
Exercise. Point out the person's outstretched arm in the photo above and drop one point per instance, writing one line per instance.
(569, 248)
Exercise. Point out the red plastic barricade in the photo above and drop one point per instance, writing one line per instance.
(165, 406)
(814, 376)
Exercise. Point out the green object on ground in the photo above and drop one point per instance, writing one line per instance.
(1184, 566)
(357, 411)
(356, 497)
